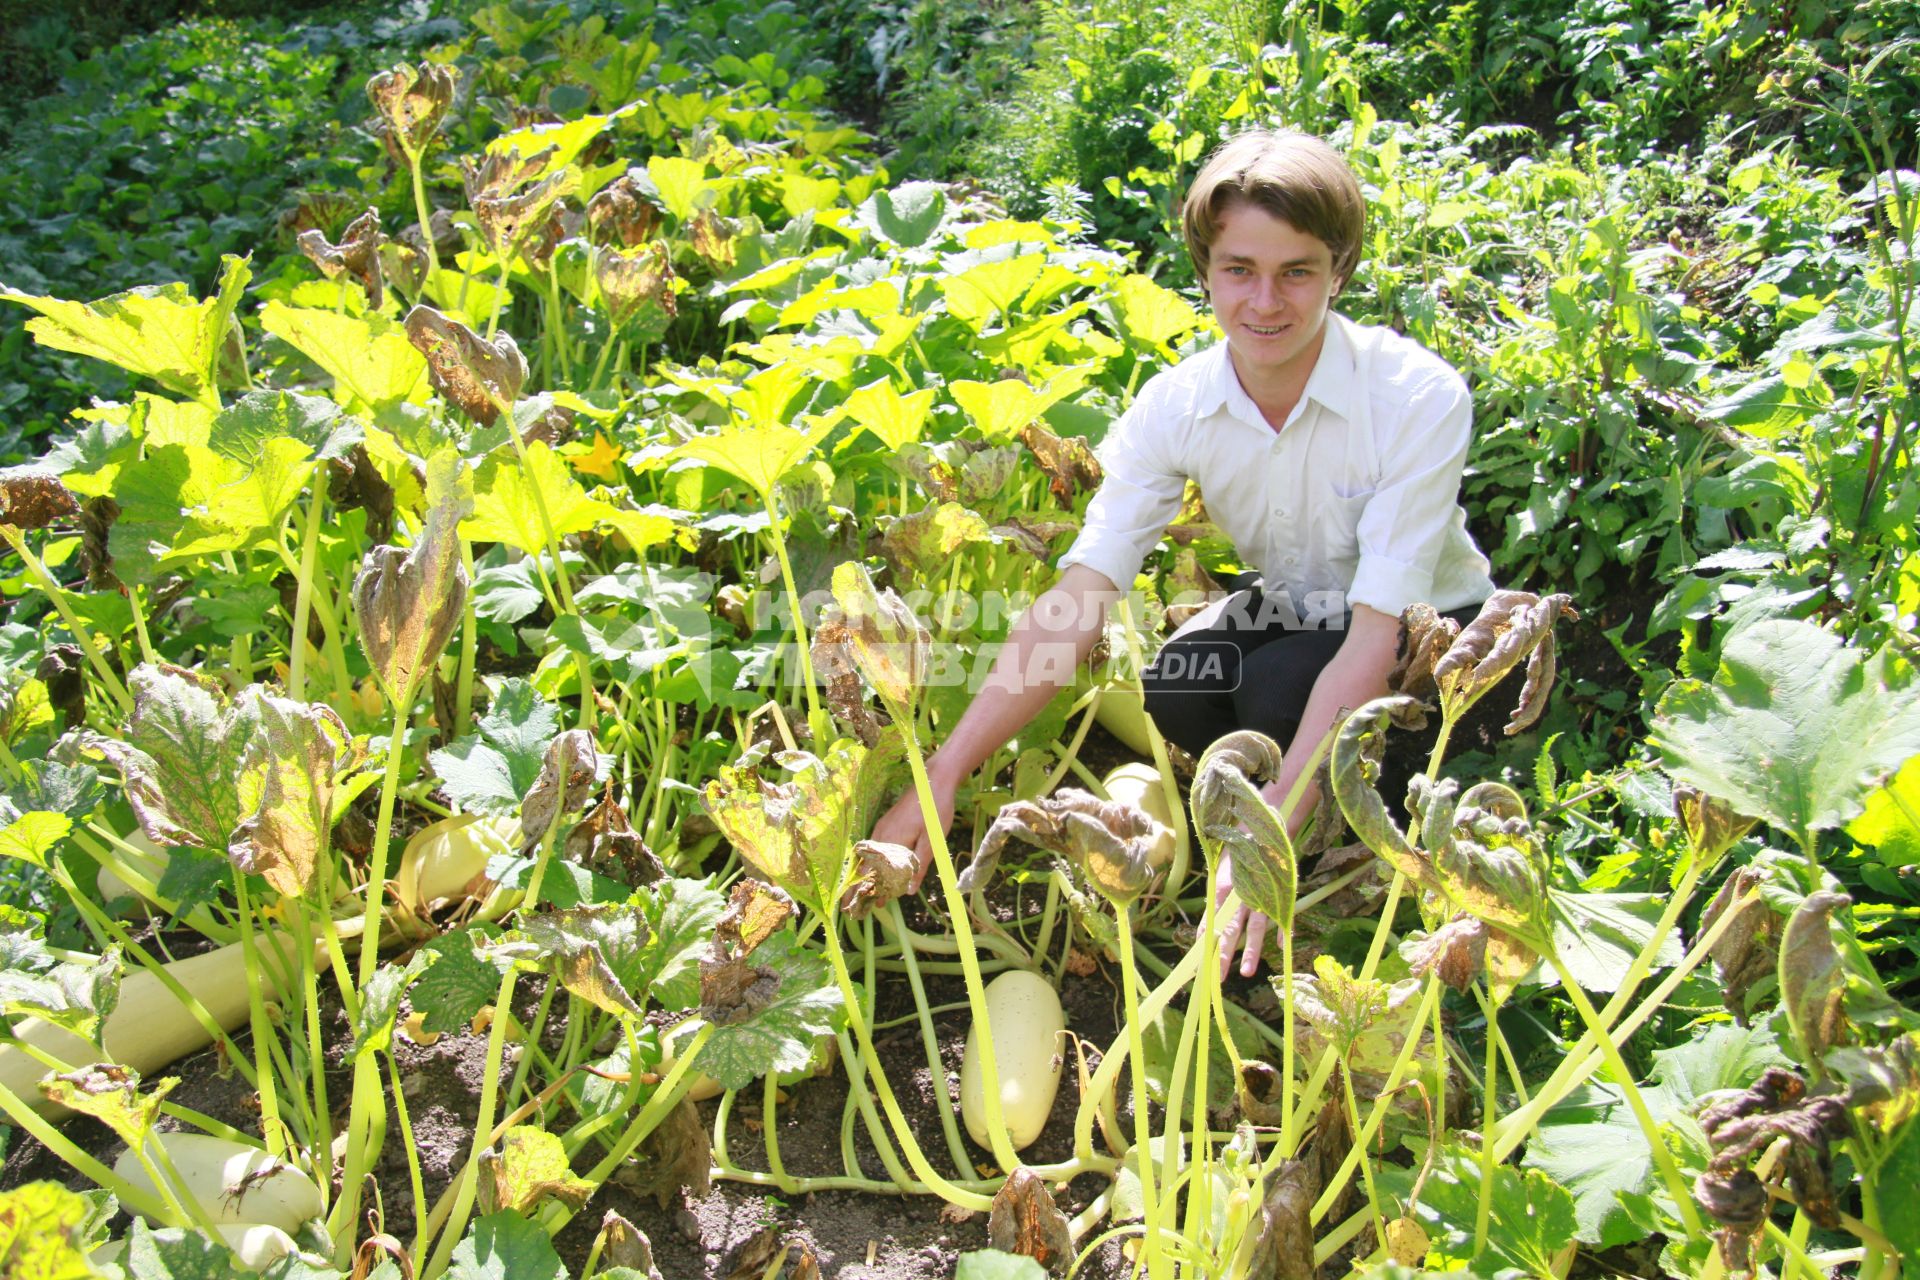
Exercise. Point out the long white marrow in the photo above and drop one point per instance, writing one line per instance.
(149, 1027)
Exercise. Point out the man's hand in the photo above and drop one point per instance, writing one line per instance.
(1245, 923)
(905, 824)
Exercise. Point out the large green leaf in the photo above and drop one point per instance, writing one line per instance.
(680, 916)
(1533, 1217)
(506, 1246)
(775, 1030)
(460, 984)
(906, 215)
(1890, 823)
(1795, 729)
(187, 500)
(1597, 935)
(1597, 1150)
(1150, 312)
(243, 430)
(1000, 409)
(371, 360)
(757, 455)
(991, 288)
(894, 419)
(177, 1254)
(506, 508)
(489, 770)
(33, 836)
(75, 994)
(156, 331)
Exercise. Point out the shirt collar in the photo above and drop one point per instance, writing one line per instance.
(1330, 385)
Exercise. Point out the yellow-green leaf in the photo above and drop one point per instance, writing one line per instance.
(372, 363)
(505, 508)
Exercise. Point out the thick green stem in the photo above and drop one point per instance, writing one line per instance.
(1157, 1261)
(303, 599)
(929, 1041)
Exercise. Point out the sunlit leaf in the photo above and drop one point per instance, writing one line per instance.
(1000, 409)
(506, 510)
(1796, 728)
(156, 331)
(33, 837)
(1890, 822)
(990, 289)
(298, 752)
(894, 419)
(42, 1233)
(372, 363)
(757, 455)
(1150, 312)
(906, 215)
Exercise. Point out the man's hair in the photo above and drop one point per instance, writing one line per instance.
(1291, 175)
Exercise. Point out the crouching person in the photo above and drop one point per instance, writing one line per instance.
(1329, 452)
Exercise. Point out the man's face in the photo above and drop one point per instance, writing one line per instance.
(1271, 284)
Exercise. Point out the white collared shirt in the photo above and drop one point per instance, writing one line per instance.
(1357, 493)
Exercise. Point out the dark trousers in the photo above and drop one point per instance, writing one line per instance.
(1252, 668)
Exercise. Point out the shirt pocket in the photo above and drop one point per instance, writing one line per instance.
(1337, 525)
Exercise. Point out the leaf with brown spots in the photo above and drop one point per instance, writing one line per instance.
(32, 499)
(477, 375)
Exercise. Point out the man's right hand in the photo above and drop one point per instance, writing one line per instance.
(905, 824)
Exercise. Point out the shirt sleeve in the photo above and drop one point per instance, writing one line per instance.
(1407, 521)
(1139, 495)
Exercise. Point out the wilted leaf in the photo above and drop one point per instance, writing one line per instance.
(183, 759)
(1108, 843)
(576, 943)
(529, 1169)
(413, 101)
(676, 1157)
(1355, 771)
(473, 373)
(624, 1245)
(1813, 978)
(1425, 637)
(621, 210)
(1511, 626)
(1796, 728)
(604, 842)
(927, 540)
(297, 753)
(637, 287)
(798, 834)
(1283, 1242)
(1235, 821)
(569, 774)
(409, 602)
(357, 255)
(1068, 461)
(33, 499)
(876, 633)
(882, 873)
(1025, 1220)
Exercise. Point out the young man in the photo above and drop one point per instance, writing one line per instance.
(1329, 452)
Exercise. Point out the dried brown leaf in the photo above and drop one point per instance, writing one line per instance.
(1283, 1249)
(357, 254)
(1025, 1220)
(413, 101)
(1068, 462)
(477, 375)
(568, 775)
(883, 872)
